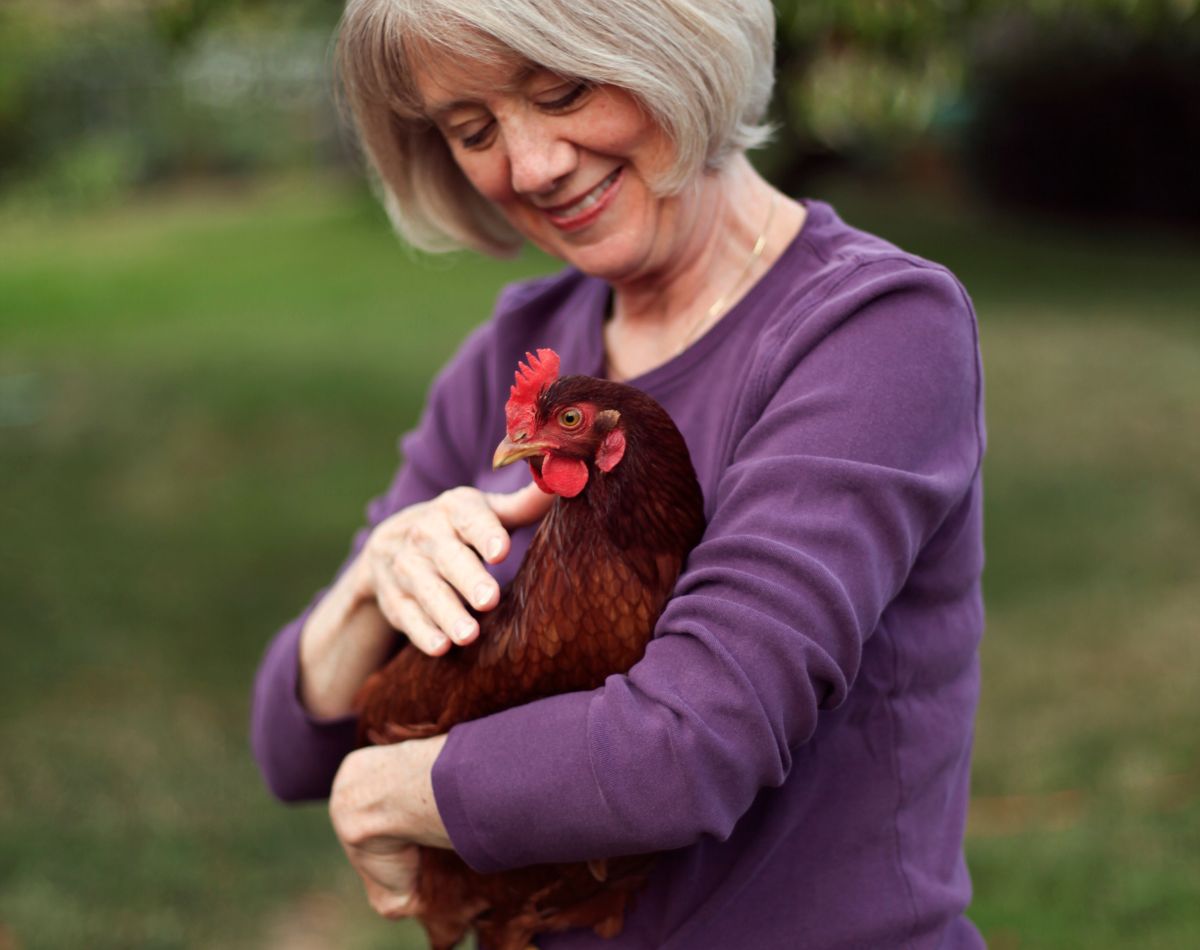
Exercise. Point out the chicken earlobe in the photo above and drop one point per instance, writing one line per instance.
(612, 450)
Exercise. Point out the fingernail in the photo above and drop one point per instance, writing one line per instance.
(439, 641)
(494, 548)
(464, 629)
(483, 594)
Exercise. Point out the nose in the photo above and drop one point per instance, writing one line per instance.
(539, 156)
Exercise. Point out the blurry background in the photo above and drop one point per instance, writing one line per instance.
(209, 342)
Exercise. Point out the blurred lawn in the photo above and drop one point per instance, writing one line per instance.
(198, 393)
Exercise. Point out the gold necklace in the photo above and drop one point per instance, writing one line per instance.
(718, 308)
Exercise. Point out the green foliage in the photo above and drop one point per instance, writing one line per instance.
(95, 102)
(870, 81)
(205, 88)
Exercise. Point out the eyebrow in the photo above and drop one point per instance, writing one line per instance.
(519, 79)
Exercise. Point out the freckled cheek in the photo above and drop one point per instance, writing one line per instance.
(491, 181)
(496, 187)
(639, 143)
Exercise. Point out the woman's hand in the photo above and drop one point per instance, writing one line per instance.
(422, 563)
(382, 807)
(409, 577)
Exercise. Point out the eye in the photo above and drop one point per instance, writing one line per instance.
(567, 99)
(570, 418)
(479, 138)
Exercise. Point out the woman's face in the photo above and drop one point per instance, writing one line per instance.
(569, 165)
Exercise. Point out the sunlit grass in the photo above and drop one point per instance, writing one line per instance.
(198, 394)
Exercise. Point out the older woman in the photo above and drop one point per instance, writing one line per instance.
(798, 733)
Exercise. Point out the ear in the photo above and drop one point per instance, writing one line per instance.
(612, 449)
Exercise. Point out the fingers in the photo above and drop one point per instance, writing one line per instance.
(371, 809)
(418, 600)
(404, 613)
(394, 907)
(387, 903)
(424, 561)
(426, 584)
(461, 568)
(473, 520)
(520, 508)
(389, 878)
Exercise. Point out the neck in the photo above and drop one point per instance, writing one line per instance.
(718, 222)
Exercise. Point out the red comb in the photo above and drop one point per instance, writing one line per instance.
(529, 381)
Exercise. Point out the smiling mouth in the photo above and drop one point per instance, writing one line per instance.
(583, 211)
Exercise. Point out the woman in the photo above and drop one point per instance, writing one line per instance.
(798, 733)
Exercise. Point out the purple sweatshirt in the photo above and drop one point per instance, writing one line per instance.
(798, 734)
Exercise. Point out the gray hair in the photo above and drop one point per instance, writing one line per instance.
(703, 69)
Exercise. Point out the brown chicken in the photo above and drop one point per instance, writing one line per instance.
(581, 607)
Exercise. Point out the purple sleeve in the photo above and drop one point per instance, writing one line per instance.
(298, 753)
(861, 437)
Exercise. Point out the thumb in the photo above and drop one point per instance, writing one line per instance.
(521, 507)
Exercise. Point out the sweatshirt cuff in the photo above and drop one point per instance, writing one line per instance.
(298, 753)
(517, 788)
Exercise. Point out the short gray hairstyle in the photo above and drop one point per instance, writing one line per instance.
(703, 69)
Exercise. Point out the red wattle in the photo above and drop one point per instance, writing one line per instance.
(541, 482)
(562, 476)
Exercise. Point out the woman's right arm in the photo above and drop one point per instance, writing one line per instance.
(406, 571)
(301, 727)
(409, 574)
(414, 575)
(344, 640)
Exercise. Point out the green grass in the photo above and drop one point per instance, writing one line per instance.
(200, 396)
(198, 393)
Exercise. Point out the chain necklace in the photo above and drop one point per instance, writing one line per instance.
(718, 307)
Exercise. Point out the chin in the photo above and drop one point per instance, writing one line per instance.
(608, 250)
(613, 261)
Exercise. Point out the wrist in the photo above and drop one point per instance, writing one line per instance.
(355, 585)
(386, 792)
(344, 640)
(420, 820)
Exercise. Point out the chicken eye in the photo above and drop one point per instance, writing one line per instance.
(570, 418)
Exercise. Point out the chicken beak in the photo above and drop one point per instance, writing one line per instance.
(509, 451)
